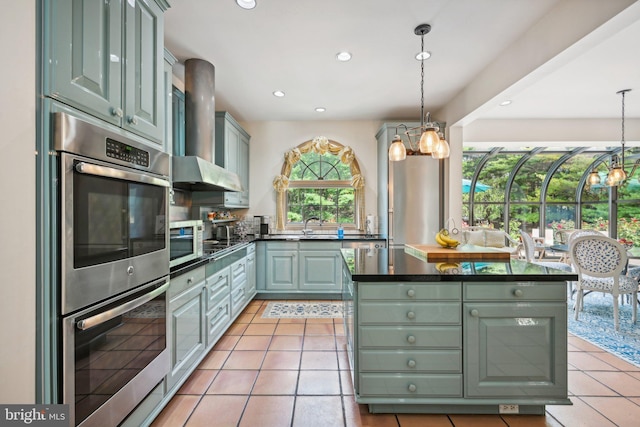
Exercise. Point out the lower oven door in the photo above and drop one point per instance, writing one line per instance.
(114, 354)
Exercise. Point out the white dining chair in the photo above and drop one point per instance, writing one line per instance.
(529, 253)
(599, 262)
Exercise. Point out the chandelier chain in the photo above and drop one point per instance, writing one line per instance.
(623, 94)
(422, 82)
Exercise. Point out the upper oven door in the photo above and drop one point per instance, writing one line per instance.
(114, 234)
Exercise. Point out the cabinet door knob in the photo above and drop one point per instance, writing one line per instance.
(411, 363)
(412, 388)
(133, 120)
(190, 280)
(475, 313)
(518, 292)
(117, 112)
(411, 339)
(411, 293)
(411, 315)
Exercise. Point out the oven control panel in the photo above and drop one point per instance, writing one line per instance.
(127, 153)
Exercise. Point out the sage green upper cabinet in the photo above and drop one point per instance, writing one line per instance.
(106, 58)
(169, 61)
(178, 118)
(232, 153)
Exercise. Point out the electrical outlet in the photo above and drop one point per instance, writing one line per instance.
(509, 409)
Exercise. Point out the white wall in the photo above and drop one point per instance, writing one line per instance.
(270, 140)
(17, 187)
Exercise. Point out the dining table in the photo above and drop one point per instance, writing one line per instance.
(563, 250)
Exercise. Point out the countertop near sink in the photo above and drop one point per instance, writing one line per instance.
(321, 237)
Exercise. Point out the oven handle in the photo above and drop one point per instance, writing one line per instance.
(117, 311)
(91, 169)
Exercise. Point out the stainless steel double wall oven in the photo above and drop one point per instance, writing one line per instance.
(114, 256)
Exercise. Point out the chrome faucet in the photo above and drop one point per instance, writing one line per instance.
(306, 230)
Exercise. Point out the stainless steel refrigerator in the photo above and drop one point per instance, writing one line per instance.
(414, 198)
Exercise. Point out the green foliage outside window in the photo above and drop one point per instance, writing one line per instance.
(320, 187)
(560, 204)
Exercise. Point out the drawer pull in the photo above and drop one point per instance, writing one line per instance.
(190, 280)
(411, 315)
(412, 388)
(411, 363)
(411, 339)
(475, 313)
(518, 292)
(411, 293)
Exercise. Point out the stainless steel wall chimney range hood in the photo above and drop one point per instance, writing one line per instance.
(196, 170)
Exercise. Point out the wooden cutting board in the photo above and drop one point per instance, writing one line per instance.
(435, 253)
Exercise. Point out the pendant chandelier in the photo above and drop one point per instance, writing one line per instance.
(616, 175)
(427, 137)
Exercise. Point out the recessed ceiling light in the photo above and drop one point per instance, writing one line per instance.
(423, 55)
(278, 93)
(246, 4)
(321, 109)
(505, 103)
(343, 56)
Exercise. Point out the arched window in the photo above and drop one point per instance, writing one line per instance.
(320, 178)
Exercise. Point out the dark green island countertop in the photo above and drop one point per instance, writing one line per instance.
(393, 265)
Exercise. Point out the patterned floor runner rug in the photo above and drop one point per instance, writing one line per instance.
(595, 325)
(303, 310)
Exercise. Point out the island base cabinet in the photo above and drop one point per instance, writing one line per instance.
(515, 350)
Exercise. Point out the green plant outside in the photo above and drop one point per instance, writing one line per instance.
(333, 205)
(560, 200)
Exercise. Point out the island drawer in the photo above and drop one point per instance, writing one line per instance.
(410, 291)
(410, 385)
(411, 361)
(515, 291)
(409, 313)
(410, 336)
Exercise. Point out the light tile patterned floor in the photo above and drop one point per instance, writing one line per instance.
(293, 372)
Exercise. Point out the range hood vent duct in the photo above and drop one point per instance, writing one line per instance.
(196, 170)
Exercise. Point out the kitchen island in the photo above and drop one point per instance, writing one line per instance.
(470, 337)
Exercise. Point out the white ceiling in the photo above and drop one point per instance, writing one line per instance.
(290, 45)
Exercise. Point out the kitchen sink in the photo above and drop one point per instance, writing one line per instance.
(310, 236)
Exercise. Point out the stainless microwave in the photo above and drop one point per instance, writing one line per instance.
(185, 241)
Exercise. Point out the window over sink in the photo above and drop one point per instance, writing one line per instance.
(320, 178)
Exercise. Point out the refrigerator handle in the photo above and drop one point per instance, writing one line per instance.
(390, 227)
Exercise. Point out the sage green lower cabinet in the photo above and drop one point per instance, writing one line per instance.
(320, 269)
(251, 273)
(218, 315)
(203, 303)
(238, 285)
(299, 269)
(409, 340)
(282, 267)
(516, 345)
(186, 336)
(453, 347)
